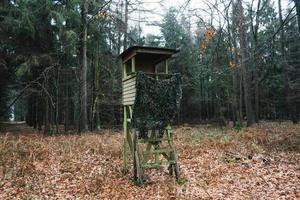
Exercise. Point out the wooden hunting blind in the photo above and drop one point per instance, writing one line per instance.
(149, 138)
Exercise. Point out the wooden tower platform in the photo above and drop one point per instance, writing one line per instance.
(154, 151)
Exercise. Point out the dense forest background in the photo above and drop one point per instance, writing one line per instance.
(59, 60)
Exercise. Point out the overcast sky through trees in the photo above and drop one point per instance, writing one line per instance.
(151, 12)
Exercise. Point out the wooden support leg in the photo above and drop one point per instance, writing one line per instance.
(172, 167)
(147, 153)
(125, 145)
(176, 167)
(137, 168)
(156, 148)
(125, 157)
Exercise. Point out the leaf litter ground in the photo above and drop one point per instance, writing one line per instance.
(260, 162)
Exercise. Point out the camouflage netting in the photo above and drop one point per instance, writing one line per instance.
(157, 102)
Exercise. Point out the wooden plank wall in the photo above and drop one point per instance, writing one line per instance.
(129, 91)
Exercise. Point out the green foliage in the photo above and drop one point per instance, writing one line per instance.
(238, 127)
(153, 40)
(71, 41)
(57, 19)
(36, 34)
(172, 30)
(135, 37)
(22, 70)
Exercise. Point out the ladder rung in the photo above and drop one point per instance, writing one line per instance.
(159, 151)
(171, 162)
(151, 165)
(153, 140)
(157, 165)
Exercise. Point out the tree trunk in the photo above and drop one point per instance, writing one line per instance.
(39, 113)
(241, 115)
(96, 90)
(296, 105)
(67, 101)
(57, 102)
(125, 25)
(254, 29)
(47, 123)
(29, 111)
(284, 66)
(297, 4)
(35, 111)
(233, 58)
(247, 95)
(93, 91)
(83, 118)
(256, 82)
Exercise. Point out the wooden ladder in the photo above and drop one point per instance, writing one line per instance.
(141, 156)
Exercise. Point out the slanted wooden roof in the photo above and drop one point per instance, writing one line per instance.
(156, 54)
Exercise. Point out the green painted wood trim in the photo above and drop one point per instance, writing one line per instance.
(147, 153)
(155, 165)
(125, 145)
(160, 151)
(129, 57)
(128, 136)
(124, 75)
(173, 156)
(167, 66)
(133, 64)
(138, 170)
(152, 140)
(129, 77)
(152, 166)
(130, 112)
(156, 154)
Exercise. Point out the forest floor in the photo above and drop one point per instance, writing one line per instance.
(260, 162)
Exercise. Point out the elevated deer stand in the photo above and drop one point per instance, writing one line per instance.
(153, 151)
